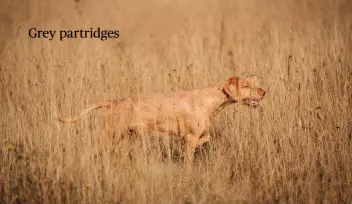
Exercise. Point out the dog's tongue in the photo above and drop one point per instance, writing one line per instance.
(254, 103)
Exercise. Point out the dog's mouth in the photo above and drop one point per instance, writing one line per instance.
(251, 102)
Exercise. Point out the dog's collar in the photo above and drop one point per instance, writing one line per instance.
(226, 94)
(228, 97)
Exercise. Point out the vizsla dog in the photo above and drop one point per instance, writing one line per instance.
(186, 114)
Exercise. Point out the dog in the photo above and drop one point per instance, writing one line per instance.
(187, 114)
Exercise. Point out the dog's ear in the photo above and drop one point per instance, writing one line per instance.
(231, 87)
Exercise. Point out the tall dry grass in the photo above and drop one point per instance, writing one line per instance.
(295, 148)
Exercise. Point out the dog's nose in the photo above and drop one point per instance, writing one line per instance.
(261, 92)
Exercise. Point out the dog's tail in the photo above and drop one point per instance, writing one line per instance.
(84, 112)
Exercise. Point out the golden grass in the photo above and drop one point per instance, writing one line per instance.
(296, 148)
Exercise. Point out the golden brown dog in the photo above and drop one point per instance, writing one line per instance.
(186, 114)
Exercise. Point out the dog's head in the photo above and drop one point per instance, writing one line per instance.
(243, 90)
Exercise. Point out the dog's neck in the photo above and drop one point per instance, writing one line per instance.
(220, 99)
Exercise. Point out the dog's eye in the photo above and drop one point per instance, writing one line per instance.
(247, 86)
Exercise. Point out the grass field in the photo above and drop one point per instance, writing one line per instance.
(296, 147)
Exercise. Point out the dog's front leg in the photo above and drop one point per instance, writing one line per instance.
(190, 146)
